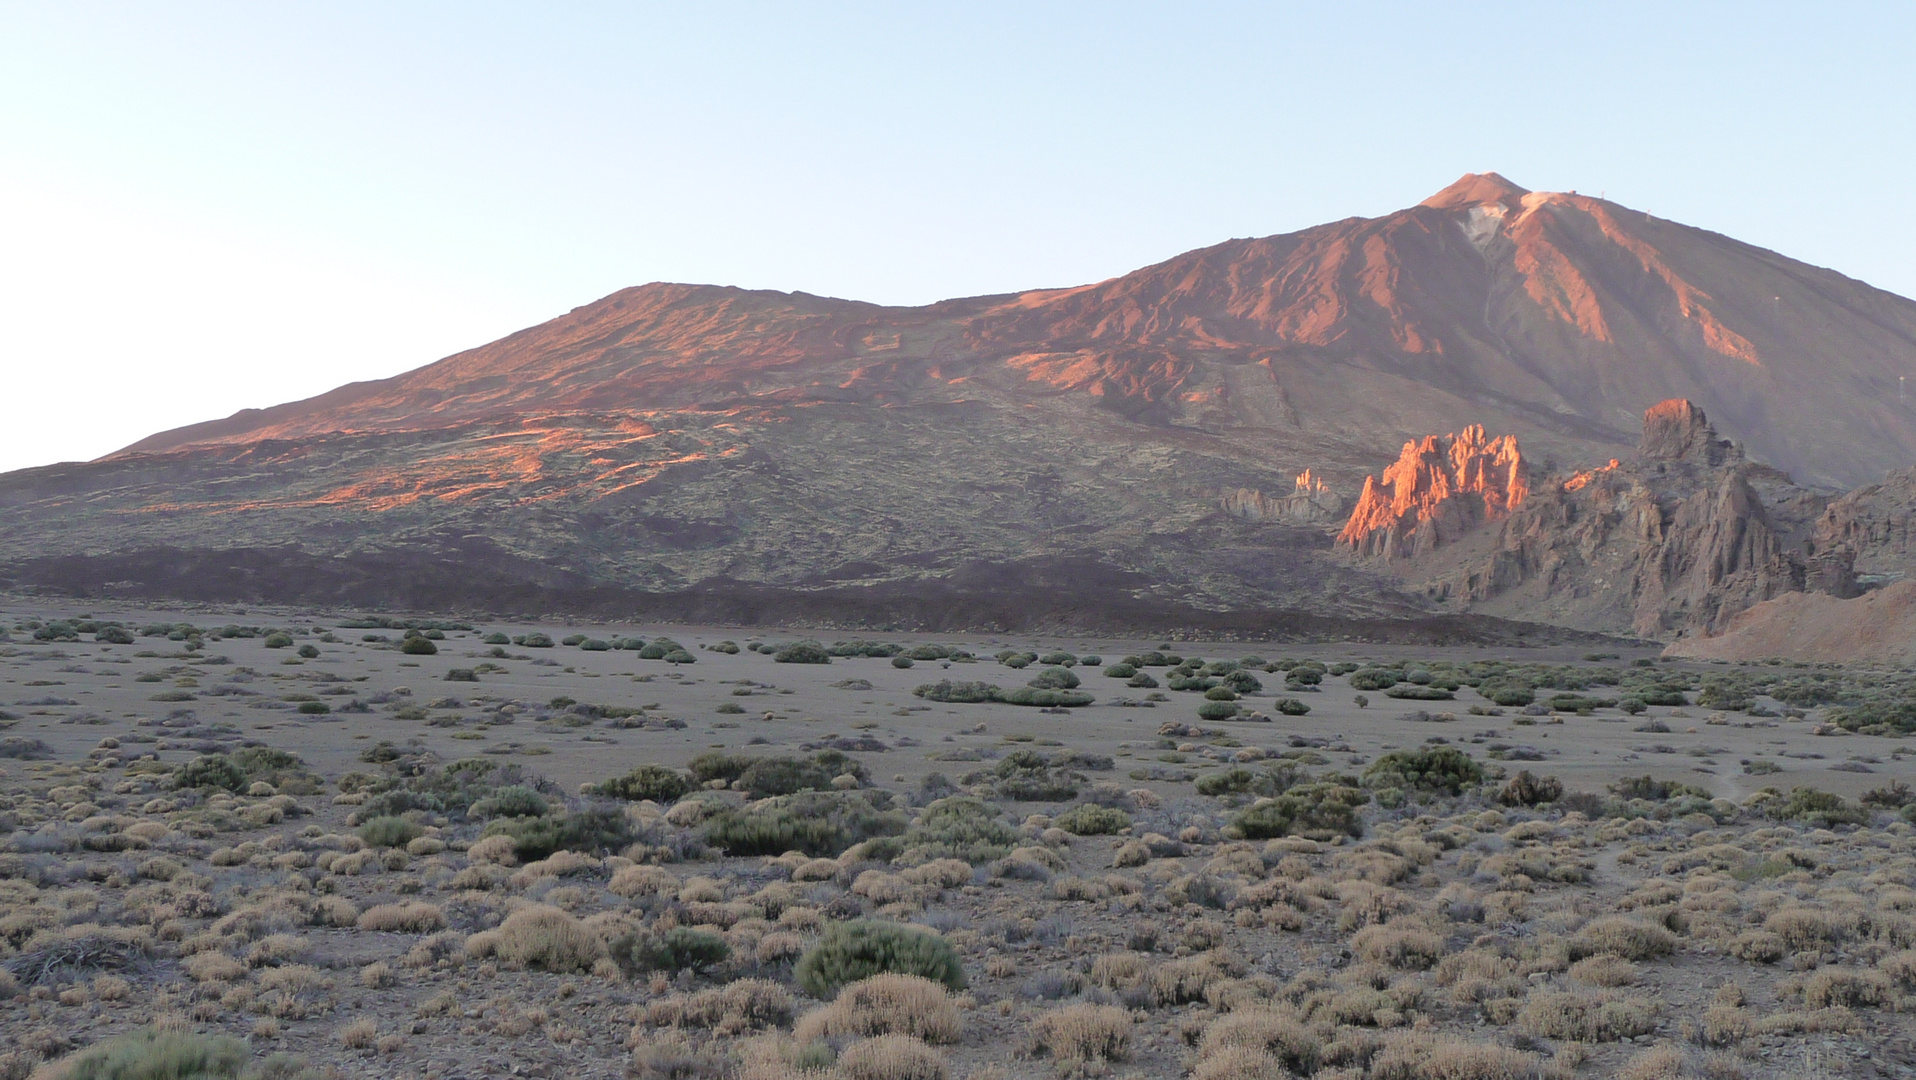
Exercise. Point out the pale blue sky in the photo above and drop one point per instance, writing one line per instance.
(210, 206)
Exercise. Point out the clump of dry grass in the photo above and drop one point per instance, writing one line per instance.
(891, 1057)
(1656, 1063)
(360, 1034)
(737, 1006)
(1849, 988)
(410, 917)
(889, 1004)
(1403, 946)
(1604, 970)
(1083, 1033)
(1584, 1017)
(642, 880)
(1425, 1057)
(539, 936)
(1232, 1040)
(1622, 936)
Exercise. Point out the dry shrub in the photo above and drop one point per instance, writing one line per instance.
(1849, 988)
(889, 1004)
(735, 1007)
(642, 880)
(944, 873)
(1657, 1063)
(1604, 970)
(212, 967)
(778, 947)
(891, 1057)
(1808, 1022)
(1802, 929)
(1265, 1032)
(1405, 947)
(1083, 1033)
(815, 870)
(557, 864)
(376, 976)
(1759, 947)
(1366, 904)
(1147, 980)
(410, 917)
(1240, 1063)
(1900, 967)
(498, 850)
(360, 1034)
(539, 937)
(1628, 938)
(882, 888)
(671, 1056)
(1423, 1057)
(1724, 1025)
(1560, 1014)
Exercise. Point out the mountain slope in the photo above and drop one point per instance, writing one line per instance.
(1136, 439)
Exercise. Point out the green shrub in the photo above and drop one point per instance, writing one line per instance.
(590, 831)
(535, 640)
(958, 827)
(1121, 670)
(818, 823)
(858, 949)
(784, 776)
(1271, 780)
(515, 800)
(1509, 695)
(1443, 769)
(1374, 679)
(418, 646)
(681, 948)
(1217, 710)
(173, 1055)
(278, 639)
(1143, 680)
(1054, 678)
(314, 708)
(1290, 706)
(1090, 819)
(1027, 776)
(1046, 698)
(719, 765)
(1811, 806)
(496, 638)
(210, 771)
(1653, 790)
(308, 652)
(1321, 811)
(1220, 693)
(654, 782)
(945, 690)
(388, 832)
(1414, 692)
(901, 661)
(803, 652)
(680, 656)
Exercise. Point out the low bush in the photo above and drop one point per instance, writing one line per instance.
(803, 652)
(1526, 789)
(1443, 769)
(418, 646)
(513, 800)
(1414, 692)
(539, 937)
(1320, 811)
(682, 948)
(1375, 678)
(654, 782)
(1218, 710)
(888, 1004)
(861, 948)
(171, 1055)
(390, 832)
(1090, 819)
(820, 824)
(592, 830)
(958, 827)
(1083, 1034)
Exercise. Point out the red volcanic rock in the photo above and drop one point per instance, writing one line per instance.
(1438, 488)
(1676, 430)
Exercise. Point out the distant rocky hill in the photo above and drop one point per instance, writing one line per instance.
(1677, 538)
(1123, 453)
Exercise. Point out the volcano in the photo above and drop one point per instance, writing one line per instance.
(1125, 452)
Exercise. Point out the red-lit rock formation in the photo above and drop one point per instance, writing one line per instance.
(1438, 488)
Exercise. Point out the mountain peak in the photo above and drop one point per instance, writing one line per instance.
(1476, 189)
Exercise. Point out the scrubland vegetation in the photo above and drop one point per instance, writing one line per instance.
(1444, 910)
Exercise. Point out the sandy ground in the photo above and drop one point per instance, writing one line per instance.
(72, 695)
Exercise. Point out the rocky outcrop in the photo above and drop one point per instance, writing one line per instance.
(1439, 488)
(1876, 525)
(1673, 541)
(1876, 628)
(1676, 430)
(1311, 502)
